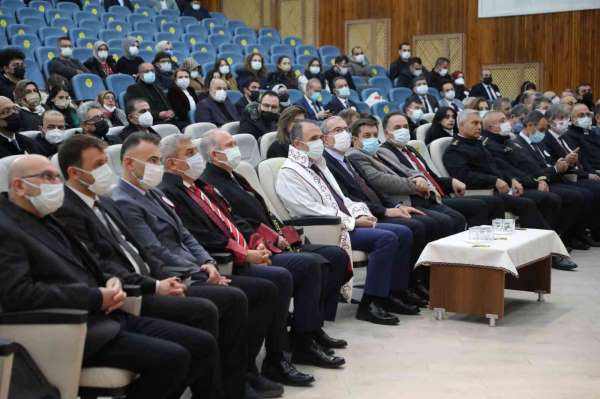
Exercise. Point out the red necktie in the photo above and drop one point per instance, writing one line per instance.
(423, 170)
(215, 214)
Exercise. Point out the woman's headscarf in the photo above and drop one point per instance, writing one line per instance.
(97, 45)
(20, 96)
(128, 42)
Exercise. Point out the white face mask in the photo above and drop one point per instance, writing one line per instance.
(224, 69)
(343, 140)
(584, 123)
(234, 156)
(416, 114)
(165, 66)
(220, 95)
(482, 113)
(360, 58)
(146, 119)
(153, 174)
(422, 90)
(109, 108)
(66, 52)
(49, 199)
(194, 74)
(256, 65)
(459, 81)
(562, 126)
(449, 95)
(555, 100)
(62, 103)
(315, 149)
(343, 70)
(133, 50)
(103, 54)
(417, 72)
(55, 136)
(505, 129)
(196, 6)
(196, 166)
(402, 136)
(405, 55)
(443, 72)
(183, 83)
(103, 179)
(314, 70)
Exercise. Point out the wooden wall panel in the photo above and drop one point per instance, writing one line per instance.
(565, 43)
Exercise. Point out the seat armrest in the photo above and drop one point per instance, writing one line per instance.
(313, 221)
(222, 257)
(44, 316)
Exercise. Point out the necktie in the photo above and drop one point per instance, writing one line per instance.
(491, 93)
(364, 187)
(338, 199)
(217, 217)
(425, 102)
(416, 161)
(130, 252)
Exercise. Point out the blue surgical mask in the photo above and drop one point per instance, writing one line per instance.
(517, 127)
(370, 146)
(537, 137)
(315, 97)
(402, 136)
(343, 92)
(149, 77)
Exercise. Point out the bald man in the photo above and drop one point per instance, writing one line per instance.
(44, 267)
(216, 108)
(52, 132)
(11, 142)
(580, 134)
(146, 88)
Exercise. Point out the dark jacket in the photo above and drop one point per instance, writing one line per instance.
(67, 67)
(153, 94)
(241, 104)
(278, 150)
(130, 129)
(129, 66)
(6, 87)
(93, 65)
(29, 120)
(331, 74)
(405, 78)
(336, 106)
(588, 142)
(533, 161)
(187, 10)
(180, 103)
(71, 119)
(110, 3)
(278, 77)
(432, 101)
(555, 150)
(436, 131)
(245, 74)
(436, 80)
(164, 80)
(395, 68)
(506, 159)
(310, 114)
(479, 91)
(46, 149)
(252, 122)
(25, 145)
(208, 110)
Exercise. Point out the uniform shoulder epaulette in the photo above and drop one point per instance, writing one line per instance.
(507, 149)
(455, 142)
(517, 145)
(485, 141)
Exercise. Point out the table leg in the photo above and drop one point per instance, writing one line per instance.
(541, 296)
(492, 319)
(439, 313)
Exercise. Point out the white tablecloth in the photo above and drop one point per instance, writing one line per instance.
(519, 248)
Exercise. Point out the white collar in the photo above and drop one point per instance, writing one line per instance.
(524, 137)
(555, 135)
(339, 157)
(10, 140)
(89, 201)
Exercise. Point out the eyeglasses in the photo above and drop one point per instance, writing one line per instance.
(95, 119)
(45, 175)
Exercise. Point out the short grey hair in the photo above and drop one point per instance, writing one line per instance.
(170, 145)
(557, 111)
(209, 144)
(464, 114)
(297, 131)
(87, 107)
(497, 105)
(487, 119)
(325, 124)
(312, 80)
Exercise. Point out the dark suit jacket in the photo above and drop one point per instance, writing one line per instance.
(310, 114)
(39, 273)
(432, 101)
(81, 220)
(533, 161)
(46, 149)
(209, 111)
(179, 101)
(26, 145)
(94, 66)
(67, 67)
(126, 132)
(153, 94)
(336, 106)
(479, 91)
(396, 67)
(350, 188)
(555, 151)
(6, 87)
(589, 143)
(110, 3)
(252, 123)
(331, 74)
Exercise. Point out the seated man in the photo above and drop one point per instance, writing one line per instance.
(485, 88)
(307, 188)
(580, 134)
(93, 121)
(477, 210)
(414, 69)
(449, 99)
(399, 185)
(413, 108)
(164, 70)
(261, 117)
(97, 222)
(358, 62)
(439, 74)
(401, 62)
(146, 88)
(51, 134)
(251, 91)
(309, 267)
(468, 161)
(12, 69)
(44, 266)
(340, 68)
(216, 108)
(64, 65)
(139, 116)
(154, 223)
(421, 92)
(312, 101)
(341, 97)
(11, 141)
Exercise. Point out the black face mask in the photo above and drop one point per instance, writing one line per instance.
(588, 99)
(13, 123)
(284, 97)
(19, 72)
(487, 81)
(254, 94)
(270, 117)
(101, 128)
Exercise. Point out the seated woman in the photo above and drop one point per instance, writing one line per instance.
(100, 63)
(478, 104)
(59, 99)
(254, 67)
(288, 117)
(313, 69)
(284, 75)
(443, 125)
(130, 61)
(115, 116)
(196, 79)
(224, 69)
(181, 96)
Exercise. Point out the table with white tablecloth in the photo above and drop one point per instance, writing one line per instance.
(470, 276)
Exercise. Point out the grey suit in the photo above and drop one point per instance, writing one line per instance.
(456, 104)
(158, 227)
(391, 187)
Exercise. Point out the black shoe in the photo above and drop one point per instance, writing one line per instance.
(560, 263)
(264, 387)
(421, 291)
(251, 393)
(370, 311)
(410, 298)
(328, 351)
(395, 305)
(285, 373)
(589, 241)
(314, 356)
(576, 243)
(326, 341)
